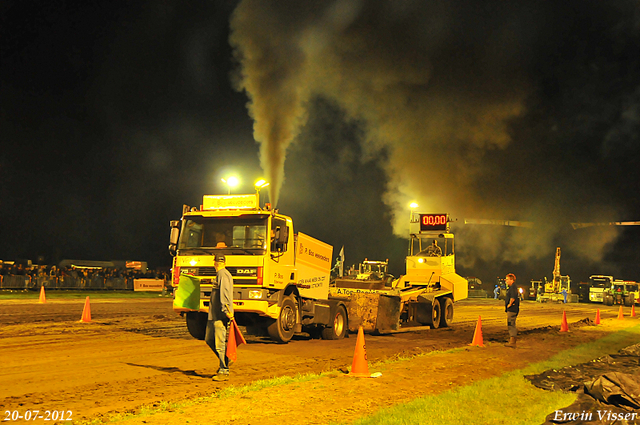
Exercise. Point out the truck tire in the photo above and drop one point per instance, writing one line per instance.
(627, 300)
(282, 329)
(338, 328)
(446, 316)
(608, 300)
(434, 319)
(197, 324)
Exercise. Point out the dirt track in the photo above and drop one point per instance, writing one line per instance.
(137, 351)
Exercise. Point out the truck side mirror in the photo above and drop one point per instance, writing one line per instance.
(284, 235)
(279, 243)
(173, 238)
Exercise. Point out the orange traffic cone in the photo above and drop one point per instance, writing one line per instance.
(597, 321)
(565, 326)
(86, 312)
(620, 314)
(477, 334)
(43, 298)
(633, 310)
(359, 367)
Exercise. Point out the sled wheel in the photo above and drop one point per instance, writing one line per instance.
(446, 316)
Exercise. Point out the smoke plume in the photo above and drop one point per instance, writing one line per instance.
(492, 110)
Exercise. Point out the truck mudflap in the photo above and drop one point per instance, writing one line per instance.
(376, 313)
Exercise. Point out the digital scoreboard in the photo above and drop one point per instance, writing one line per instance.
(433, 222)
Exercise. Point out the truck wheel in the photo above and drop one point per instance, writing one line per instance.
(197, 324)
(338, 328)
(627, 301)
(282, 329)
(434, 319)
(446, 316)
(608, 300)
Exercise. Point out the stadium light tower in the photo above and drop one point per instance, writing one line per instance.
(232, 181)
(413, 206)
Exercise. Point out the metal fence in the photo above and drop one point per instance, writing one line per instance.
(478, 293)
(65, 282)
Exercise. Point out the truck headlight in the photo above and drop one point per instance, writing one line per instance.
(255, 295)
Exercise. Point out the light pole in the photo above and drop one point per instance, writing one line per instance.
(232, 181)
(413, 206)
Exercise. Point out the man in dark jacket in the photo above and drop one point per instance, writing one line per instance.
(512, 308)
(220, 315)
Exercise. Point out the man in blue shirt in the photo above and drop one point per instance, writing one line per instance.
(512, 308)
(220, 315)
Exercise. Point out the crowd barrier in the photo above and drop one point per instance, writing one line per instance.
(66, 282)
(15, 282)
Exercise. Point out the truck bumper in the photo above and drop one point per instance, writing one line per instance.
(262, 308)
(596, 297)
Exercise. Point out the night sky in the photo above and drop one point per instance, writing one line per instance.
(112, 116)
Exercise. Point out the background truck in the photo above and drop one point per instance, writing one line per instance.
(621, 292)
(597, 285)
(281, 279)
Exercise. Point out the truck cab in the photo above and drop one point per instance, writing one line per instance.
(597, 285)
(278, 276)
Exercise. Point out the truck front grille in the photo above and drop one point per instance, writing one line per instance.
(206, 271)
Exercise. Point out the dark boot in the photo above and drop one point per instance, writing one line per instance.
(511, 343)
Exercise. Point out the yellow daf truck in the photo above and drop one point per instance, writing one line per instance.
(281, 279)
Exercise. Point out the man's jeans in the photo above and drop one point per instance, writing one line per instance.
(216, 338)
(511, 323)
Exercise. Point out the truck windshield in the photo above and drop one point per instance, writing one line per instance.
(373, 268)
(231, 235)
(423, 246)
(598, 282)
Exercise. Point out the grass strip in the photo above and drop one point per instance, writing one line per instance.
(232, 391)
(488, 401)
